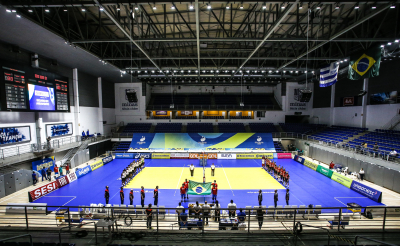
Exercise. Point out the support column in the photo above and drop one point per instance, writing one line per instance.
(76, 102)
(332, 109)
(364, 105)
(100, 113)
(39, 126)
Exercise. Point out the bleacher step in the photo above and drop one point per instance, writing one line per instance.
(152, 128)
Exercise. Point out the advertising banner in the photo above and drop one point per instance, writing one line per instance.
(226, 156)
(284, 155)
(107, 159)
(124, 156)
(299, 159)
(160, 155)
(71, 177)
(212, 156)
(14, 135)
(63, 180)
(275, 155)
(58, 130)
(96, 165)
(45, 163)
(125, 104)
(161, 112)
(367, 191)
(342, 179)
(254, 156)
(80, 172)
(310, 164)
(140, 155)
(325, 171)
(193, 156)
(42, 191)
(179, 155)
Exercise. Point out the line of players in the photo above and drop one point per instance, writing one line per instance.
(131, 196)
(185, 187)
(279, 172)
(132, 170)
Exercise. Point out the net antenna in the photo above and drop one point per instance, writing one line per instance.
(308, 26)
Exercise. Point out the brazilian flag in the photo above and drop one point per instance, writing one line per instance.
(196, 188)
(365, 64)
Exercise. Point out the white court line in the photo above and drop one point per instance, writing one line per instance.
(336, 198)
(227, 180)
(177, 185)
(64, 203)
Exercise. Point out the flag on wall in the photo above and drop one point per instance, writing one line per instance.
(365, 64)
(328, 74)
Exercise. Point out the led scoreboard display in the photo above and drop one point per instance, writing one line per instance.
(24, 88)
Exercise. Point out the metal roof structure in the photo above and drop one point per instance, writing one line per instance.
(217, 41)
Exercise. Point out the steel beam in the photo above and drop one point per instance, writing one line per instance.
(341, 40)
(221, 57)
(125, 33)
(269, 33)
(338, 34)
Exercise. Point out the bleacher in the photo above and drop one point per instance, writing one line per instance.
(200, 127)
(278, 146)
(168, 127)
(262, 127)
(166, 100)
(183, 117)
(301, 127)
(257, 99)
(338, 134)
(386, 140)
(231, 127)
(199, 100)
(122, 146)
(213, 117)
(161, 117)
(225, 100)
(137, 127)
(241, 117)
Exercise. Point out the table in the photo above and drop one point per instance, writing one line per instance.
(224, 223)
(194, 223)
(354, 207)
(105, 223)
(60, 215)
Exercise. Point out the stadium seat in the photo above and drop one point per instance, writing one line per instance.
(317, 211)
(161, 212)
(287, 211)
(302, 210)
(271, 210)
(131, 209)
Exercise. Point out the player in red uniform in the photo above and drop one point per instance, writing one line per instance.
(187, 187)
(214, 191)
(215, 184)
(287, 179)
(183, 192)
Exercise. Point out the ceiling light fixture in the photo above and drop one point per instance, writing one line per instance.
(208, 6)
(46, 10)
(136, 8)
(227, 6)
(241, 7)
(191, 7)
(30, 10)
(118, 8)
(18, 16)
(8, 11)
(393, 6)
(83, 10)
(154, 7)
(264, 6)
(373, 7)
(101, 9)
(172, 7)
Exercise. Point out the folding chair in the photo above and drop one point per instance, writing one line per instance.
(161, 211)
(271, 210)
(302, 210)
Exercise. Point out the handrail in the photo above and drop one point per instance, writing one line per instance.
(25, 235)
(373, 240)
(318, 227)
(69, 226)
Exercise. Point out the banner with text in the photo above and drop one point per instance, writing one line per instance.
(299, 159)
(124, 156)
(342, 179)
(179, 155)
(255, 156)
(80, 172)
(45, 163)
(14, 135)
(226, 156)
(284, 155)
(367, 191)
(160, 156)
(96, 164)
(58, 130)
(325, 171)
(42, 191)
(310, 164)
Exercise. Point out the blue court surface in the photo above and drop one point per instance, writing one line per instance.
(306, 187)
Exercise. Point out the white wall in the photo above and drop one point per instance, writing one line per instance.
(323, 115)
(379, 115)
(109, 116)
(278, 93)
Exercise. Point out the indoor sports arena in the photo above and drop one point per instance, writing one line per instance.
(190, 123)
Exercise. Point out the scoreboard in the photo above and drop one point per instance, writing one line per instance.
(24, 88)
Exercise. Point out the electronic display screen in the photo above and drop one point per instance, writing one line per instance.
(41, 97)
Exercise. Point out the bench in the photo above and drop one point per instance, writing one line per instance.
(343, 222)
(19, 208)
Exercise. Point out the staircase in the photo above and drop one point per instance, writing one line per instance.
(184, 128)
(152, 128)
(216, 129)
(355, 136)
(279, 128)
(393, 123)
(72, 152)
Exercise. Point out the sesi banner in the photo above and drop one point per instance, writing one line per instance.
(71, 177)
(42, 191)
(284, 155)
(62, 181)
(367, 191)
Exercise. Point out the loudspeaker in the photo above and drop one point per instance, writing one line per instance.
(248, 87)
(213, 87)
(54, 63)
(131, 95)
(179, 87)
(305, 95)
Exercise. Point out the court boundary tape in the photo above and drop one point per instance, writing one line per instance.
(227, 180)
(336, 198)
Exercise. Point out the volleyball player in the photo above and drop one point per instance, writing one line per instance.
(121, 195)
(131, 197)
(287, 179)
(214, 192)
(215, 184)
(142, 195)
(187, 188)
(263, 162)
(155, 196)
(183, 192)
(107, 195)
